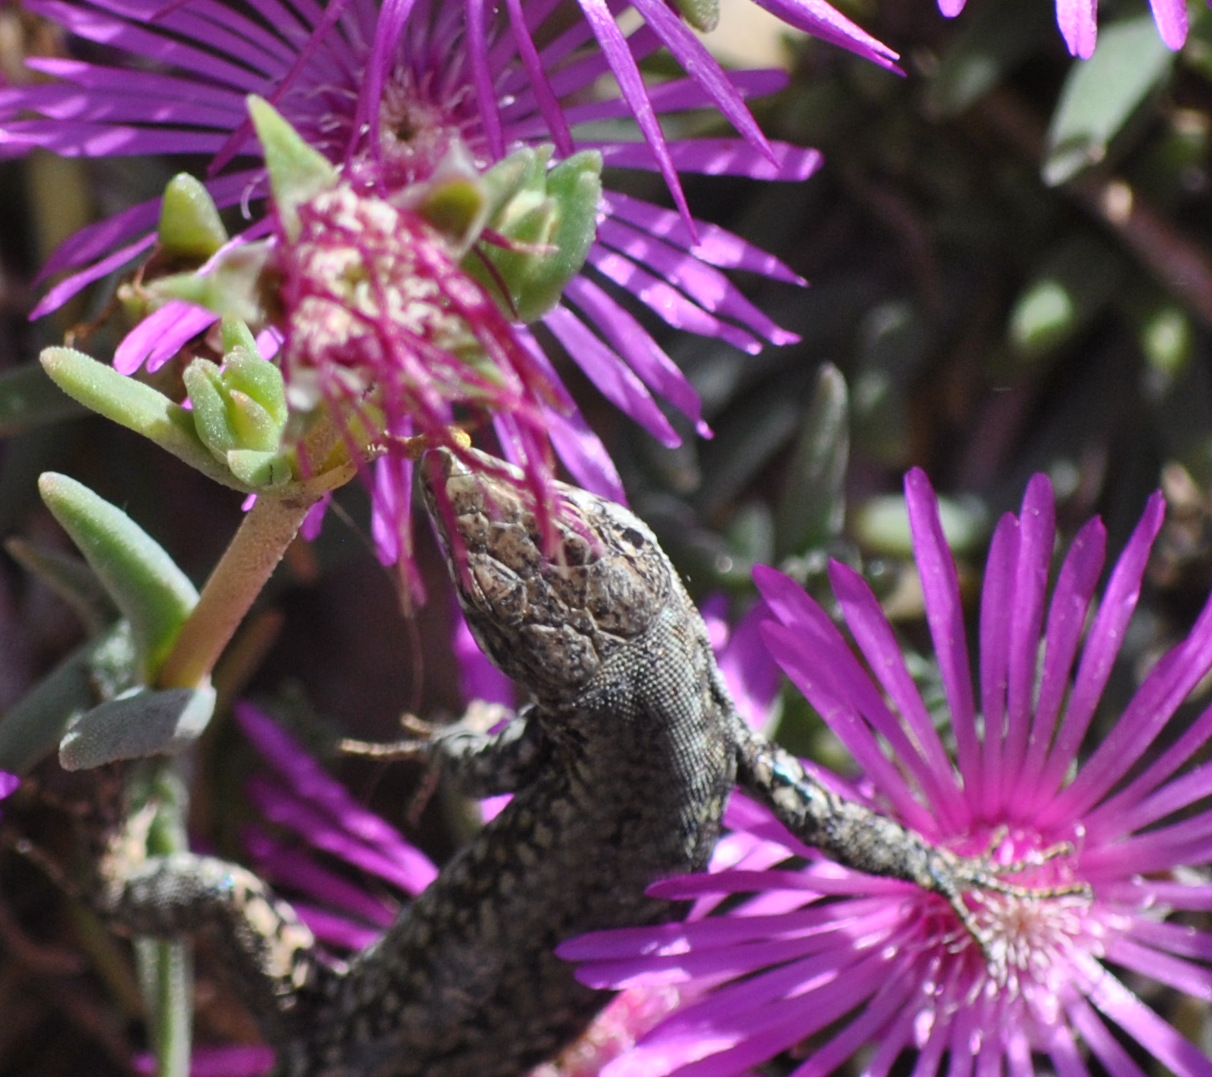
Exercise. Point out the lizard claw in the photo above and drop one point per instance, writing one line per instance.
(966, 883)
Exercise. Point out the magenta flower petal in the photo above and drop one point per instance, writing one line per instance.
(160, 335)
(250, 1060)
(1075, 588)
(1171, 19)
(834, 692)
(997, 606)
(945, 614)
(1078, 22)
(876, 640)
(751, 674)
(1037, 536)
(819, 19)
(8, 784)
(297, 868)
(1102, 646)
(311, 798)
(478, 677)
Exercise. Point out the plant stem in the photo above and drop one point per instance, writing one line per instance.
(245, 567)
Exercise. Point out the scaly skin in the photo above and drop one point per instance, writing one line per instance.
(621, 768)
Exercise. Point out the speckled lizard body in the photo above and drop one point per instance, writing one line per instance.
(620, 768)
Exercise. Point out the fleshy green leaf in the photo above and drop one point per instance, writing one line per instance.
(1100, 94)
(149, 589)
(549, 217)
(994, 38)
(135, 725)
(882, 525)
(703, 15)
(1167, 339)
(71, 579)
(34, 725)
(1066, 293)
(232, 286)
(134, 405)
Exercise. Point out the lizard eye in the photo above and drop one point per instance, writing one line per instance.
(632, 536)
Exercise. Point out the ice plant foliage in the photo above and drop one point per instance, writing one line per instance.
(847, 966)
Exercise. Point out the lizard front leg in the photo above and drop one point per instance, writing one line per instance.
(480, 761)
(860, 838)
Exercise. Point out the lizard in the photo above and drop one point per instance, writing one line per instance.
(620, 765)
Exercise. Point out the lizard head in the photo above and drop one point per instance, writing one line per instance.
(549, 597)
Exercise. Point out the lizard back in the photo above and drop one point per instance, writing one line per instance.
(630, 767)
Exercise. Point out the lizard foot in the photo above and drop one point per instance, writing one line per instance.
(989, 905)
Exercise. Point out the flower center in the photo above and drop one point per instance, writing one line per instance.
(1034, 928)
(364, 291)
(415, 133)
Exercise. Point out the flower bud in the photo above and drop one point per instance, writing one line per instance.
(190, 227)
(545, 222)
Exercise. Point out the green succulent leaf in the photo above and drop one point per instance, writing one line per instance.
(882, 525)
(994, 38)
(134, 405)
(35, 724)
(70, 578)
(812, 508)
(152, 593)
(297, 171)
(232, 286)
(28, 398)
(135, 725)
(548, 219)
(703, 15)
(1101, 94)
(1067, 291)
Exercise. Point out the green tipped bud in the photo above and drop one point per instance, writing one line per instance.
(190, 227)
(703, 15)
(235, 334)
(549, 219)
(240, 413)
(297, 172)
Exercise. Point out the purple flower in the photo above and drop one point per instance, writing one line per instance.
(384, 94)
(840, 963)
